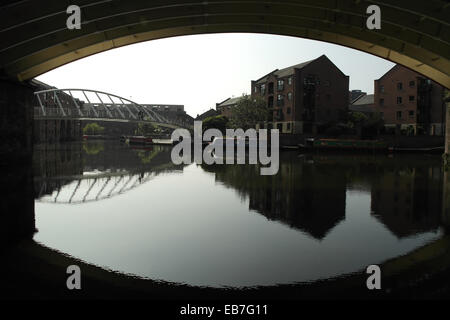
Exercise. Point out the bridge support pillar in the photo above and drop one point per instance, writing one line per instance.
(16, 150)
(16, 122)
(446, 201)
(446, 182)
(447, 128)
(17, 219)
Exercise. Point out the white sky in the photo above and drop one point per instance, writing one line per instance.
(199, 71)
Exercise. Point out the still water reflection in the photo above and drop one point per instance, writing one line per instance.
(321, 216)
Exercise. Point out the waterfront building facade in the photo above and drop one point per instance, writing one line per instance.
(305, 96)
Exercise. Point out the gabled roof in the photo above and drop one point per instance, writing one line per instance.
(280, 73)
(229, 101)
(364, 100)
(291, 70)
(206, 114)
(286, 71)
(399, 66)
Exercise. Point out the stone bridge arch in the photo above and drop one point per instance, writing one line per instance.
(34, 38)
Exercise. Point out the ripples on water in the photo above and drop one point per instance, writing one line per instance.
(321, 216)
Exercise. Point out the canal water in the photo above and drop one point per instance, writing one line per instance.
(323, 215)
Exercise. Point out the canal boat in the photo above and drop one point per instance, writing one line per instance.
(353, 145)
(141, 140)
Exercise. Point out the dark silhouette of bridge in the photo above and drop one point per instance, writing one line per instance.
(95, 187)
(34, 38)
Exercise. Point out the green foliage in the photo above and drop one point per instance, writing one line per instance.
(248, 112)
(356, 118)
(374, 122)
(370, 126)
(145, 129)
(215, 122)
(93, 148)
(147, 156)
(93, 129)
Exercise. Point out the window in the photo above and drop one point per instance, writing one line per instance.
(412, 83)
(288, 111)
(289, 126)
(382, 89)
(280, 85)
(290, 96)
(411, 98)
(382, 115)
(399, 115)
(289, 80)
(326, 83)
(255, 89)
(399, 100)
(280, 100)
(399, 86)
(381, 102)
(411, 113)
(263, 89)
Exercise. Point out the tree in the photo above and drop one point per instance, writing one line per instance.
(93, 129)
(248, 112)
(147, 129)
(369, 127)
(215, 122)
(356, 118)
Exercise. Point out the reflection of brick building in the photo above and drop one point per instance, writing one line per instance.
(408, 201)
(314, 209)
(409, 103)
(296, 196)
(305, 95)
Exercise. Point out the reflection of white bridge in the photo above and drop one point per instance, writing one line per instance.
(92, 187)
(83, 104)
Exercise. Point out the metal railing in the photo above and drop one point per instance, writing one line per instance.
(62, 103)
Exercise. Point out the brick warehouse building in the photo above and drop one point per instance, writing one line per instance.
(409, 103)
(304, 96)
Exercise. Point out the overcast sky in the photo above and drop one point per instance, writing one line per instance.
(199, 71)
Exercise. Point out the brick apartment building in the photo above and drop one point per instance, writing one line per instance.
(304, 96)
(410, 103)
